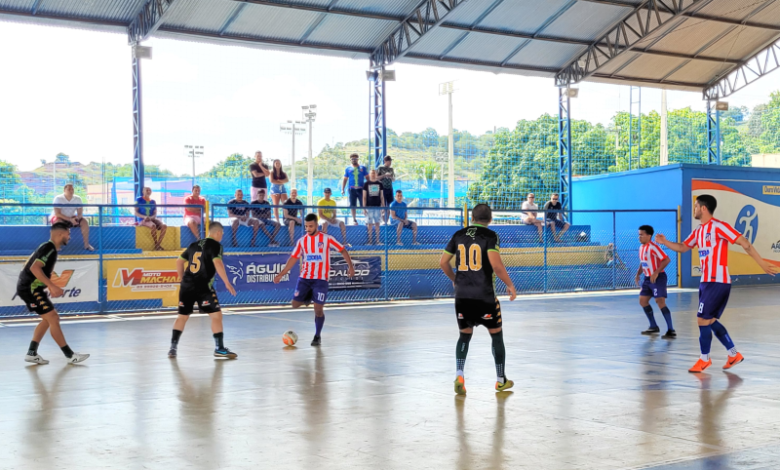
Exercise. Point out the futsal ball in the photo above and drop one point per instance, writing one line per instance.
(289, 338)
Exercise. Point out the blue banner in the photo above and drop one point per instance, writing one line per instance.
(256, 272)
(368, 273)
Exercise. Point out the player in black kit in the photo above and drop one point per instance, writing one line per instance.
(204, 260)
(477, 258)
(35, 278)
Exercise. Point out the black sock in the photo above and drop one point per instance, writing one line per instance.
(175, 338)
(67, 351)
(33, 351)
(218, 340)
(649, 312)
(461, 351)
(499, 354)
(667, 317)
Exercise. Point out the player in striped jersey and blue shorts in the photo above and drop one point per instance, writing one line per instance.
(314, 250)
(713, 237)
(652, 262)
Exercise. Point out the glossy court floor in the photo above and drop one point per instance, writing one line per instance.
(591, 393)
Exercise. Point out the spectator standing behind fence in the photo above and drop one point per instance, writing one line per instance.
(555, 220)
(291, 217)
(278, 190)
(530, 217)
(193, 218)
(386, 176)
(71, 216)
(399, 214)
(259, 172)
(354, 177)
(238, 212)
(262, 213)
(146, 216)
(329, 217)
(373, 201)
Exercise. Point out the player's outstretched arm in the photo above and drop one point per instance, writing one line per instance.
(678, 247)
(444, 264)
(749, 249)
(37, 270)
(347, 258)
(500, 270)
(287, 267)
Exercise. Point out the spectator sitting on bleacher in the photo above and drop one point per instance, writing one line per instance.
(555, 220)
(146, 216)
(72, 216)
(373, 200)
(192, 216)
(237, 211)
(262, 214)
(291, 217)
(329, 217)
(530, 216)
(400, 216)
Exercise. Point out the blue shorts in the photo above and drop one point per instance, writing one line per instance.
(407, 224)
(311, 290)
(559, 224)
(278, 189)
(355, 197)
(657, 289)
(713, 297)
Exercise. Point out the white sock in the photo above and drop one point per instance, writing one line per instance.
(460, 373)
(732, 352)
(705, 357)
(500, 380)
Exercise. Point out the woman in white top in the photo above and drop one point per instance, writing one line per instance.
(71, 215)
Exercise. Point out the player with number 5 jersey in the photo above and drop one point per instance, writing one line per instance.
(313, 251)
(712, 238)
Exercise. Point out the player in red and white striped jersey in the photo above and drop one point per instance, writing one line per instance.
(313, 249)
(652, 262)
(712, 238)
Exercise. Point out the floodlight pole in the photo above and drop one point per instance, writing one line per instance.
(138, 139)
(290, 126)
(565, 150)
(448, 89)
(376, 80)
(713, 135)
(310, 115)
(193, 151)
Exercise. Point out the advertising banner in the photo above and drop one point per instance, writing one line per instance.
(143, 279)
(753, 209)
(368, 273)
(78, 279)
(256, 272)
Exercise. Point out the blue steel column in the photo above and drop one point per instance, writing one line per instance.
(138, 147)
(565, 151)
(378, 122)
(713, 135)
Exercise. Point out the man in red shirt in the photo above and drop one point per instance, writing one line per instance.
(193, 217)
(652, 263)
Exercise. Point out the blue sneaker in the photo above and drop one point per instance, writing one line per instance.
(225, 352)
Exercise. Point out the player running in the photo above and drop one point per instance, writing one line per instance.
(314, 248)
(34, 279)
(475, 299)
(204, 259)
(652, 262)
(712, 237)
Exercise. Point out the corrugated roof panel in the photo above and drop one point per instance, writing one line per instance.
(360, 33)
(468, 12)
(740, 43)
(617, 63)
(200, 15)
(273, 22)
(412, 59)
(737, 9)
(109, 10)
(485, 47)
(398, 8)
(525, 16)
(547, 54)
(650, 66)
(17, 5)
(690, 37)
(586, 21)
(698, 71)
(437, 41)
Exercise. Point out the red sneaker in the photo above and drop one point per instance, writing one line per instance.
(700, 366)
(733, 361)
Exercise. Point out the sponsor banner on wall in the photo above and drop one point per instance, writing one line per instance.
(78, 279)
(753, 209)
(368, 273)
(256, 272)
(143, 279)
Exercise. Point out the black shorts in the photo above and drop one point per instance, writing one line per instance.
(473, 312)
(36, 300)
(205, 298)
(355, 197)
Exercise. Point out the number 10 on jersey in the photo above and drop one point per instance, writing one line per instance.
(470, 258)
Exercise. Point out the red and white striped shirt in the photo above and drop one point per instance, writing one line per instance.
(315, 252)
(711, 239)
(650, 256)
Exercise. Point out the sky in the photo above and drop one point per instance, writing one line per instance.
(68, 90)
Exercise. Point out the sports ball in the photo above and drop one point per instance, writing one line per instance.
(289, 338)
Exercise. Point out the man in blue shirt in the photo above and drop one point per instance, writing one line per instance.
(355, 177)
(398, 212)
(146, 216)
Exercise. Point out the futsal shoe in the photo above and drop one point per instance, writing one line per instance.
(652, 331)
(460, 385)
(500, 387)
(671, 334)
(225, 352)
(316, 341)
(729, 364)
(700, 366)
(76, 358)
(36, 359)
(172, 353)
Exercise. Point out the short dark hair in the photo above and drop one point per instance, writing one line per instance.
(648, 229)
(354, 155)
(708, 201)
(60, 226)
(388, 158)
(215, 225)
(310, 218)
(196, 186)
(398, 191)
(481, 213)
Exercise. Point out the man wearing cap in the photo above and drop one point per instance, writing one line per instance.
(72, 216)
(386, 176)
(354, 177)
(328, 216)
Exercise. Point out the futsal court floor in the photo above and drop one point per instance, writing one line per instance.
(590, 391)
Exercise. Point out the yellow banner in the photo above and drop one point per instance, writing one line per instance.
(143, 279)
(773, 190)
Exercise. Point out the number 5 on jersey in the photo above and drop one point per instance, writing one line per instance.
(470, 259)
(195, 265)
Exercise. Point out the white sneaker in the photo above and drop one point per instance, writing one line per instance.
(76, 358)
(35, 359)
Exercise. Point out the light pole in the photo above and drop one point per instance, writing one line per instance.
(309, 114)
(448, 89)
(193, 152)
(292, 127)
(441, 159)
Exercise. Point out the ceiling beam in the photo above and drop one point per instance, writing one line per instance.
(148, 20)
(767, 60)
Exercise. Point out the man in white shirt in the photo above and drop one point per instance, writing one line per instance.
(530, 216)
(71, 215)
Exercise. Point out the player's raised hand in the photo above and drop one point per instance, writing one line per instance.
(661, 238)
(512, 293)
